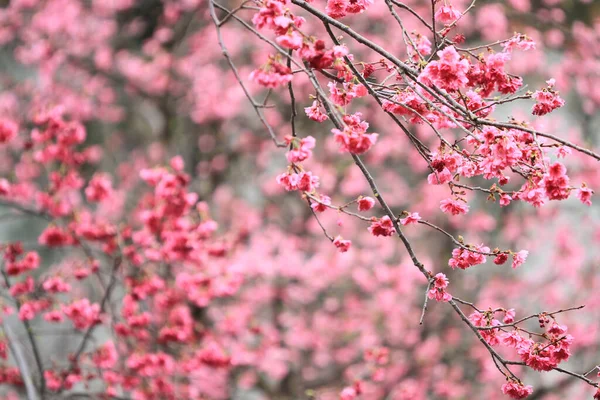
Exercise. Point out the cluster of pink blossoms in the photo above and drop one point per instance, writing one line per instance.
(489, 75)
(83, 313)
(546, 356)
(584, 194)
(315, 112)
(516, 390)
(301, 149)
(438, 289)
(519, 41)
(56, 285)
(553, 185)
(449, 72)
(382, 227)
(518, 258)
(354, 139)
(274, 15)
(447, 14)
(99, 189)
(169, 230)
(463, 259)
(556, 182)
(303, 181)
(19, 262)
(490, 152)
(547, 100)
(454, 207)
(540, 356)
(410, 104)
(172, 269)
(272, 75)
(295, 179)
(411, 218)
(349, 92)
(423, 47)
(340, 8)
(342, 244)
(365, 203)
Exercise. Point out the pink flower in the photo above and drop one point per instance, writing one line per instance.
(490, 74)
(409, 104)
(106, 356)
(316, 55)
(519, 258)
(340, 51)
(439, 177)
(54, 316)
(501, 258)
(55, 236)
(534, 196)
(538, 360)
(438, 291)
(447, 14)
(321, 205)
(56, 285)
(463, 259)
(547, 100)
(272, 75)
(453, 207)
(301, 149)
(340, 8)
(304, 181)
(83, 313)
(53, 380)
(505, 200)
(509, 316)
(512, 339)
(20, 288)
(354, 142)
(411, 218)
(584, 194)
(520, 42)
(501, 151)
(29, 262)
(556, 182)
(343, 97)
(271, 16)
(516, 390)
(563, 151)
(353, 138)
(491, 336)
(365, 203)
(449, 72)
(27, 311)
(382, 227)
(423, 47)
(314, 112)
(213, 355)
(341, 244)
(291, 40)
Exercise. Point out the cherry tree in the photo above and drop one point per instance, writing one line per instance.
(340, 199)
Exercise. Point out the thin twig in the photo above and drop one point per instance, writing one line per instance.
(425, 302)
